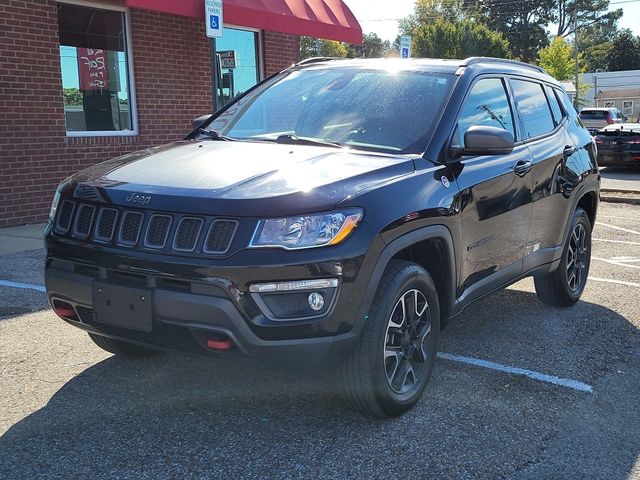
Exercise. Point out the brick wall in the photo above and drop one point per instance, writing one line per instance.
(172, 83)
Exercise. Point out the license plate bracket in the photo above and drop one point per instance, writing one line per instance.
(124, 307)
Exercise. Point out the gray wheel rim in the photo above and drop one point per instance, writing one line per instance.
(577, 259)
(406, 348)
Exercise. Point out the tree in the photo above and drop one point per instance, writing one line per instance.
(625, 52)
(312, 47)
(372, 46)
(557, 59)
(523, 23)
(590, 13)
(444, 39)
(72, 96)
(597, 57)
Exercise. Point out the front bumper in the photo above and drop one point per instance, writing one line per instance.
(195, 301)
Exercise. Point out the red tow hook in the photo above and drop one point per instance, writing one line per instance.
(216, 344)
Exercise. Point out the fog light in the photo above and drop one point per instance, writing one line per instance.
(316, 301)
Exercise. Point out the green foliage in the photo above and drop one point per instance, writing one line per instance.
(372, 47)
(523, 23)
(445, 39)
(597, 57)
(558, 59)
(72, 96)
(625, 52)
(311, 47)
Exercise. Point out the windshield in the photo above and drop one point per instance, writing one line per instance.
(369, 109)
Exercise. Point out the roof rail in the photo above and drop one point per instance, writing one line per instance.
(307, 61)
(473, 60)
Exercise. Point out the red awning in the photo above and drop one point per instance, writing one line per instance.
(328, 19)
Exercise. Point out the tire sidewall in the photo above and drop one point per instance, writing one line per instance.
(411, 277)
(580, 216)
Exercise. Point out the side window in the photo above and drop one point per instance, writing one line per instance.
(555, 106)
(533, 108)
(486, 104)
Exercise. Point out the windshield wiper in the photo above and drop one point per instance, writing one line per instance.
(214, 135)
(291, 138)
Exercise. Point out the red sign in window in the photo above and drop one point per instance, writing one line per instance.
(93, 69)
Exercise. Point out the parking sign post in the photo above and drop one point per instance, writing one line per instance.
(405, 46)
(213, 12)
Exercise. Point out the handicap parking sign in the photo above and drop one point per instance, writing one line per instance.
(405, 53)
(213, 18)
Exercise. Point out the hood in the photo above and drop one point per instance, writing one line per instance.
(237, 178)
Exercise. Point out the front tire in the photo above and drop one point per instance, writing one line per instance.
(120, 348)
(564, 286)
(390, 368)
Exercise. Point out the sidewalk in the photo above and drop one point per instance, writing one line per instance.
(20, 239)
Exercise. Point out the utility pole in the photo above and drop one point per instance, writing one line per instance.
(575, 47)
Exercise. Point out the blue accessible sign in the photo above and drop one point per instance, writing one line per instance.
(213, 18)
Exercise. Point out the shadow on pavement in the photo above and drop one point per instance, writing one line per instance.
(180, 417)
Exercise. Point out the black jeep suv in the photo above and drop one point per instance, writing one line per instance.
(336, 215)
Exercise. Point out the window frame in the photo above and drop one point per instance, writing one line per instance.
(631, 107)
(510, 100)
(134, 132)
(542, 85)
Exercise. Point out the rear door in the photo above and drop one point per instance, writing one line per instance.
(544, 123)
(496, 194)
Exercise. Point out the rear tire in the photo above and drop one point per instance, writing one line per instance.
(389, 370)
(124, 349)
(564, 286)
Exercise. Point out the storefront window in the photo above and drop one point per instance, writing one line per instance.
(238, 60)
(95, 77)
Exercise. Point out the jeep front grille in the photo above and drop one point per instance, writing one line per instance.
(130, 228)
(145, 230)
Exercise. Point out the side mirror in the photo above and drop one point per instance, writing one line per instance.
(196, 122)
(485, 140)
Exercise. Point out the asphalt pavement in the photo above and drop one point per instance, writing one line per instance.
(620, 179)
(69, 410)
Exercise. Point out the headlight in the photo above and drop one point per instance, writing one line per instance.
(306, 231)
(54, 204)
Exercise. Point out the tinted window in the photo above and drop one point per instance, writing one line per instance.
(371, 109)
(533, 108)
(555, 105)
(594, 114)
(487, 104)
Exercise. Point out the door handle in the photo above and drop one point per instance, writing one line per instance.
(569, 150)
(522, 167)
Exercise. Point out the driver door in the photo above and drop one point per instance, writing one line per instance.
(495, 194)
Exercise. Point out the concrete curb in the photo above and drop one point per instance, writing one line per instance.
(618, 199)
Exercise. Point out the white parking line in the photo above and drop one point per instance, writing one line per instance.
(613, 262)
(618, 228)
(615, 241)
(522, 372)
(617, 282)
(618, 217)
(26, 286)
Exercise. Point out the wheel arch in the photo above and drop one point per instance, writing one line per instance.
(417, 246)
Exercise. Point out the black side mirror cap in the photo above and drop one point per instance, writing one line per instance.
(196, 122)
(486, 140)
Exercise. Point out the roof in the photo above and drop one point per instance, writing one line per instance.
(622, 93)
(329, 19)
(569, 87)
(629, 127)
(477, 65)
(597, 109)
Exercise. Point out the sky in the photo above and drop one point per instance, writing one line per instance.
(380, 16)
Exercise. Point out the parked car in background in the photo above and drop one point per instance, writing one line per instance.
(619, 145)
(596, 118)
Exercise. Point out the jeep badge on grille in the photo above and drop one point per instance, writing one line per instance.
(139, 199)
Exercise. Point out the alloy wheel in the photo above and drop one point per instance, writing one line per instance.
(406, 348)
(577, 259)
